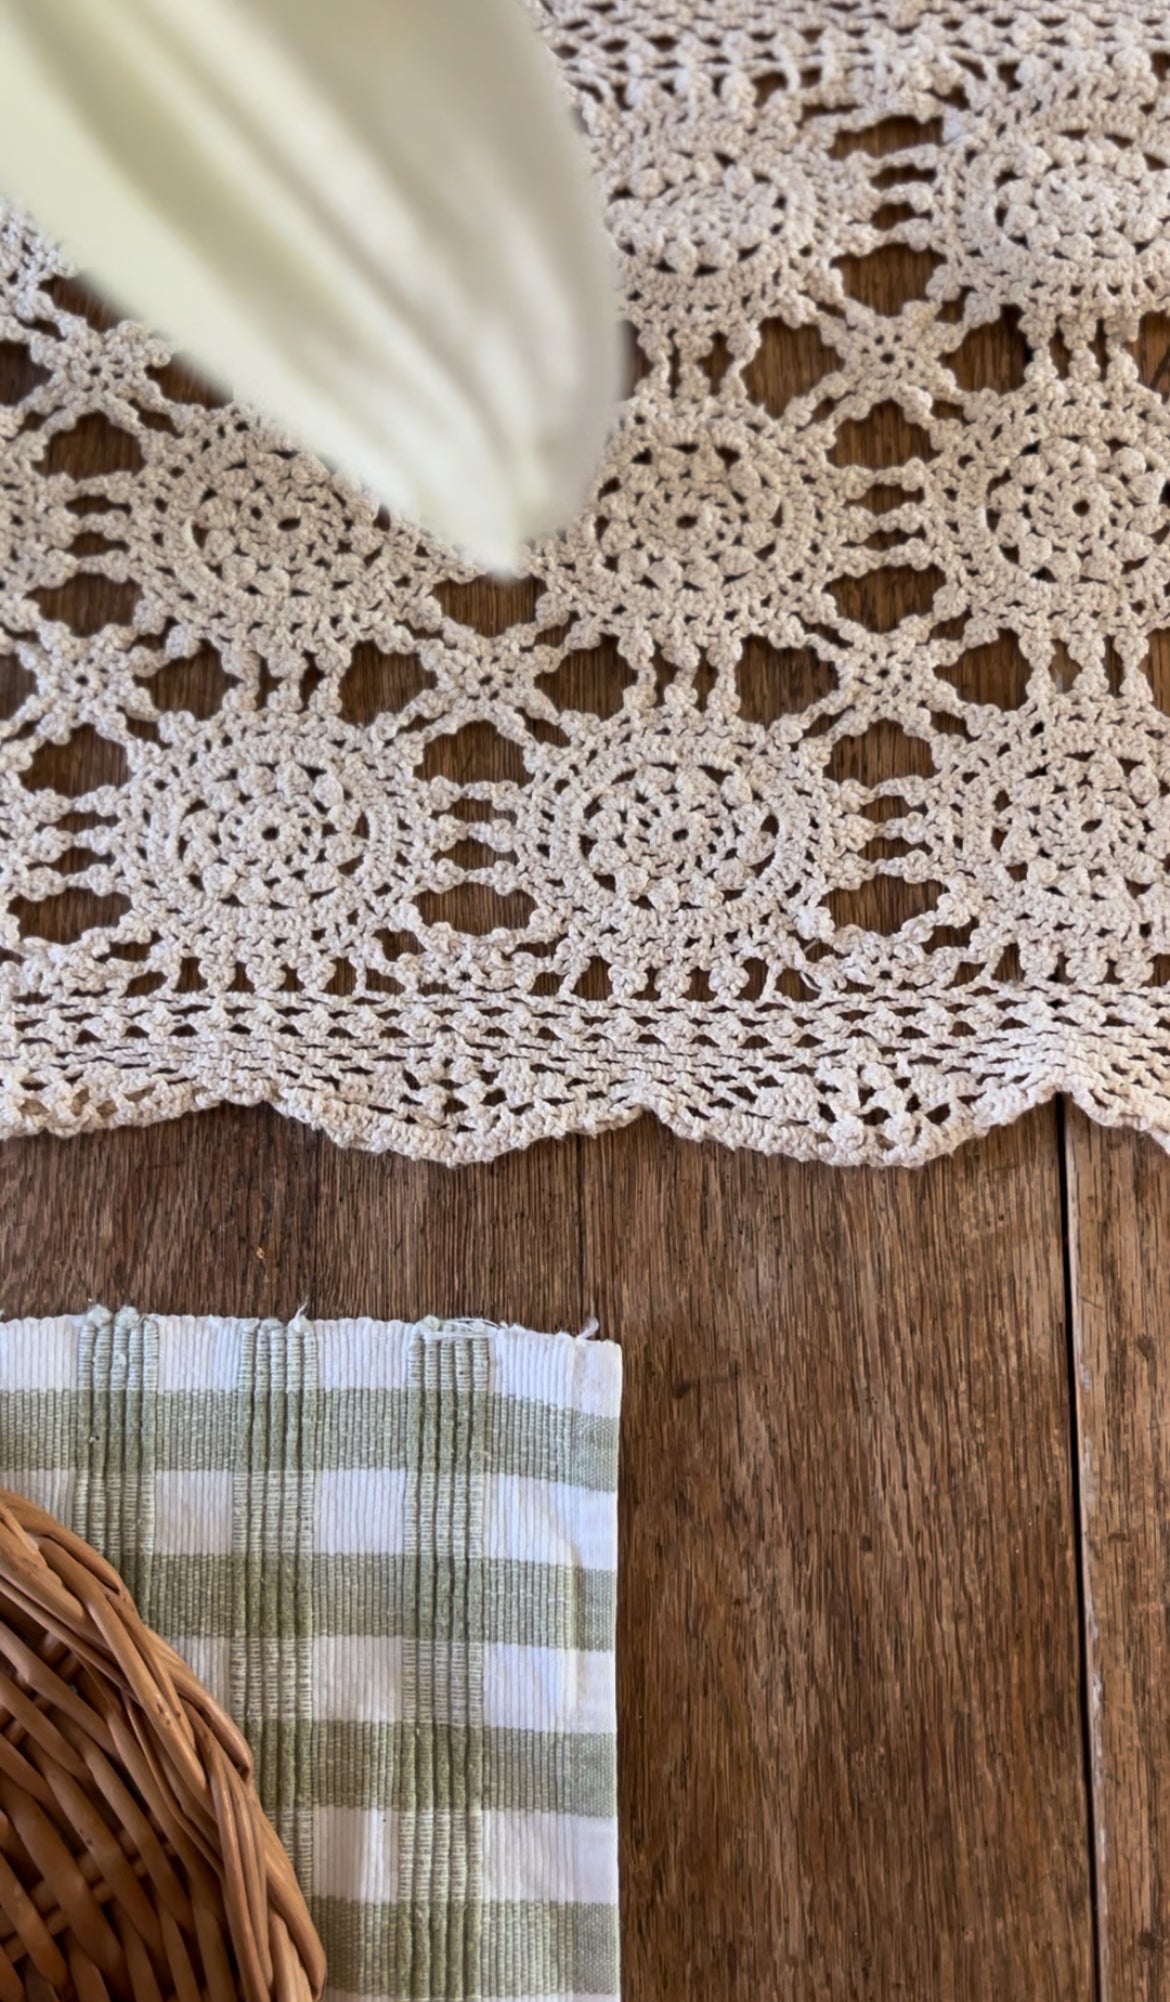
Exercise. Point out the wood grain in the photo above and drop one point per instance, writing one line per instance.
(851, 1735)
(407, 1238)
(849, 1699)
(209, 1214)
(1119, 1248)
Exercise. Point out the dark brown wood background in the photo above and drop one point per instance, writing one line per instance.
(894, 1653)
(895, 1592)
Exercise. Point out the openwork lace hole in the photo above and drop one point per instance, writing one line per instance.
(82, 764)
(19, 373)
(590, 681)
(883, 752)
(475, 755)
(16, 685)
(882, 598)
(94, 445)
(67, 917)
(488, 606)
(780, 681)
(378, 683)
(195, 684)
(475, 908)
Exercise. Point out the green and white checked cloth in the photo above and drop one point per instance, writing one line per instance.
(391, 1552)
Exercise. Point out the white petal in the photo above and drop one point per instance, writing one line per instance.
(370, 218)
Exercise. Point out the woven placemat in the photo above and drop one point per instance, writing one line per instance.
(390, 1551)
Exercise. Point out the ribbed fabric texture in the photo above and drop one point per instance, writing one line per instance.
(391, 1552)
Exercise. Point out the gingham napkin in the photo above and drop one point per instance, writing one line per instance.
(391, 1552)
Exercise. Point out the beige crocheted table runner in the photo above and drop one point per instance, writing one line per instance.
(894, 470)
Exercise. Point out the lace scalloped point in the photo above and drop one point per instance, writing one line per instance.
(812, 792)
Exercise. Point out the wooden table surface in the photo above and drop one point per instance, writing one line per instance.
(894, 1650)
(894, 1654)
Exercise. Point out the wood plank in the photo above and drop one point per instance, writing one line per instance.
(851, 1739)
(243, 1212)
(404, 1238)
(852, 1760)
(209, 1214)
(1119, 1249)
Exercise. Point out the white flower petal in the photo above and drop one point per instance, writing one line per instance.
(370, 218)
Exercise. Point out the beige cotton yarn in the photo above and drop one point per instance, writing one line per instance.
(667, 873)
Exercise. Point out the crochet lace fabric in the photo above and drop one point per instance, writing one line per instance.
(812, 792)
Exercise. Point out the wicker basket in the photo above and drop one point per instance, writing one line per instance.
(135, 1859)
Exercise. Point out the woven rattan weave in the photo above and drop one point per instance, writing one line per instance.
(135, 1860)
